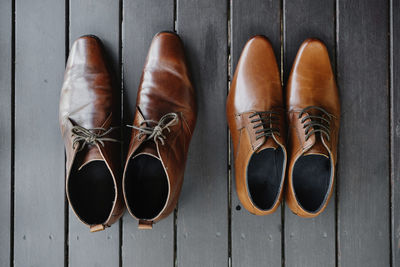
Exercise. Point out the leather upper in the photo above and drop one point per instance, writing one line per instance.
(311, 83)
(89, 99)
(256, 87)
(165, 87)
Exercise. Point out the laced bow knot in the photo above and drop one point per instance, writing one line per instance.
(265, 119)
(82, 136)
(316, 123)
(156, 132)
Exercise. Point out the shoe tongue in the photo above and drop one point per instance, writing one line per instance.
(90, 154)
(148, 147)
(318, 148)
(270, 143)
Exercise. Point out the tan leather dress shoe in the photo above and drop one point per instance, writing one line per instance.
(313, 107)
(162, 128)
(256, 119)
(89, 113)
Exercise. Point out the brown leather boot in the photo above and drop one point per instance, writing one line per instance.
(89, 113)
(162, 128)
(256, 119)
(313, 117)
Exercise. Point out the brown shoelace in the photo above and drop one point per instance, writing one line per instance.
(266, 118)
(316, 123)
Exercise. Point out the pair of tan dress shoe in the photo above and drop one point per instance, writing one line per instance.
(274, 141)
(98, 184)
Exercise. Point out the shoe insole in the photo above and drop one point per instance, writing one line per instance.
(146, 186)
(91, 192)
(311, 179)
(264, 176)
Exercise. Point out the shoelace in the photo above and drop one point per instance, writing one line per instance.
(317, 123)
(82, 136)
(156, 132)
(266, 118)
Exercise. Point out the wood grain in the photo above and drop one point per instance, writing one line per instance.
(367, 230)
(6, 130)
(100, 18)
(256, 240)
(309, 242)
(395, 129)
(142, 20)
(39, 153)
(202, 220)
(363, 173)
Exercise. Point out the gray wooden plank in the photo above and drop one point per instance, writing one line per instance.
(256, 240)
(309, 242)
(395, 129)
(202, 220)
(142, 20)
(39, 154)
(363, 185)
(101, 18)
(6, 131)
(148, 247)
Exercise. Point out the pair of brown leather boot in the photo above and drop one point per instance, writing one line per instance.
(266, 147)
(98, 186)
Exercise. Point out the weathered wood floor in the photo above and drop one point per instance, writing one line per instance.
(361, 226)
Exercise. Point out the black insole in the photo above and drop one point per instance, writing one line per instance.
(311, 179)
(146, 186)
(91, 192)
(264, 176)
